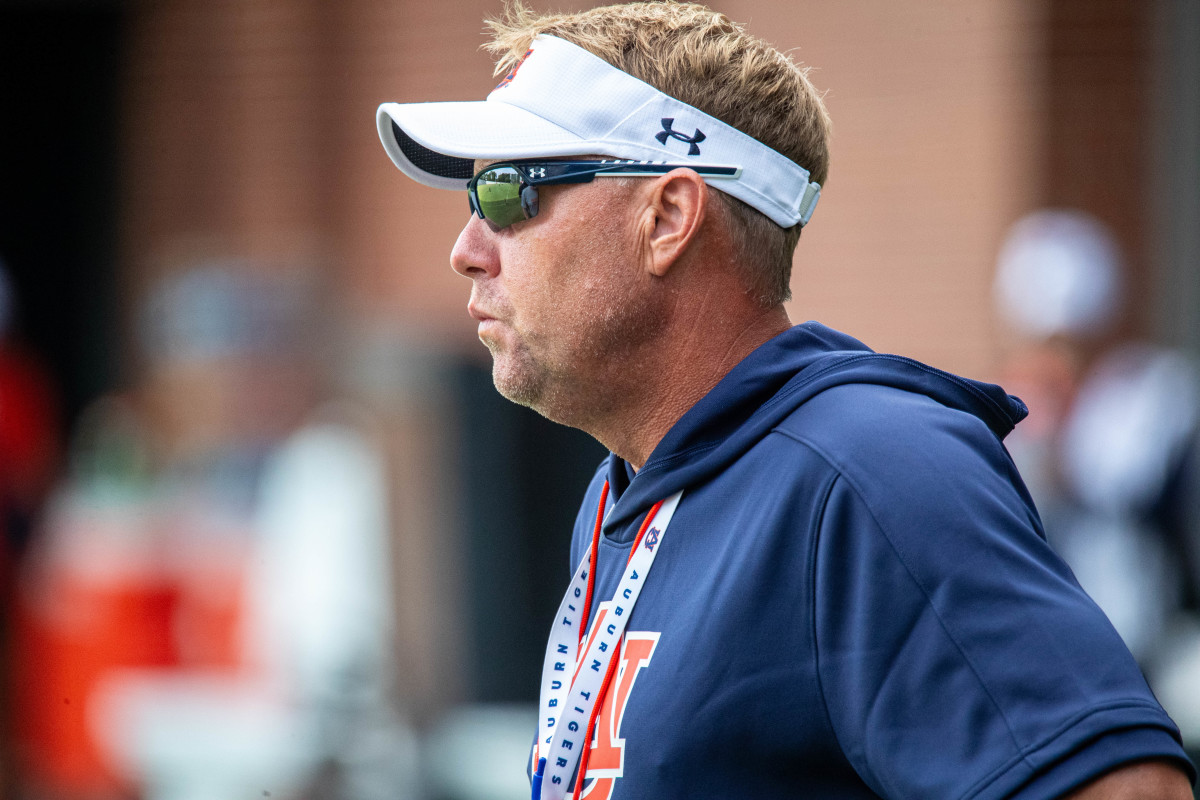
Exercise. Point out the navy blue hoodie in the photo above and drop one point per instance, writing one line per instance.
(855, 599)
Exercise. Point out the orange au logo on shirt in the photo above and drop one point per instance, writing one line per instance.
(512, 73)
(607, 760)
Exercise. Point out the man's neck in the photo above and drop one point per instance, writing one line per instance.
(695, 360)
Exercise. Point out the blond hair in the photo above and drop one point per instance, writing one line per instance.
(701, 57)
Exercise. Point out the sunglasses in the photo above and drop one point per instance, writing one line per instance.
(507, 192)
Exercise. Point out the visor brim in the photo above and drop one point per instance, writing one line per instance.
(437, 144)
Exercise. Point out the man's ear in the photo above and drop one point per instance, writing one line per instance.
(677, 204)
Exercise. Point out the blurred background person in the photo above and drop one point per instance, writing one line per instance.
(208, 611)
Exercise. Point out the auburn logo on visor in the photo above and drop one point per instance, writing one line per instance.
(512, 73)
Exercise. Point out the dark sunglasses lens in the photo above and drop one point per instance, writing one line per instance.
(498, 192)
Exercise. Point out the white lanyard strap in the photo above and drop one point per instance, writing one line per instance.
(570, 685)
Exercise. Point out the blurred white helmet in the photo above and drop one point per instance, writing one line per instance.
(1059, 273)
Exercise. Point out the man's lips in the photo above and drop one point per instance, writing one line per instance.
(478, 313)
(486, 322)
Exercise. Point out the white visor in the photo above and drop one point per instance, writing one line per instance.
(560, 100)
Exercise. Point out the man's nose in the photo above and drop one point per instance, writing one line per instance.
(474, 254)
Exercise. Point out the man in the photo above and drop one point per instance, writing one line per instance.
(851, 594)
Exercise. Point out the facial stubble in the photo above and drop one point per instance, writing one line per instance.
(588, 372)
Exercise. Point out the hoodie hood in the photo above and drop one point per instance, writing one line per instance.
(770, 384)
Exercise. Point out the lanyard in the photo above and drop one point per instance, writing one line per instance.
(573, 685)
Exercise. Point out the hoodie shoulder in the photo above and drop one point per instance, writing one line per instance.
(878, 418)
(903, 450)
(940, 611)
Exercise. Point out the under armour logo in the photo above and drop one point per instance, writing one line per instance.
(537, 172)
(693, 140)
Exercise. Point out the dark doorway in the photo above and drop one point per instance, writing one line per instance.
(58, 186)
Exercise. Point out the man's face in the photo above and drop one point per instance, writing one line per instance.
(563, 301)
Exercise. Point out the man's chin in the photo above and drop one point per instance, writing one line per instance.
(516, 382)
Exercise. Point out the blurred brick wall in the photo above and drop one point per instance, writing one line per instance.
(225, 145)
(1097, 129)
(251, 131)
(935, 151)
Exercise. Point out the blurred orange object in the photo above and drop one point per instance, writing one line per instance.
(109, 595)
